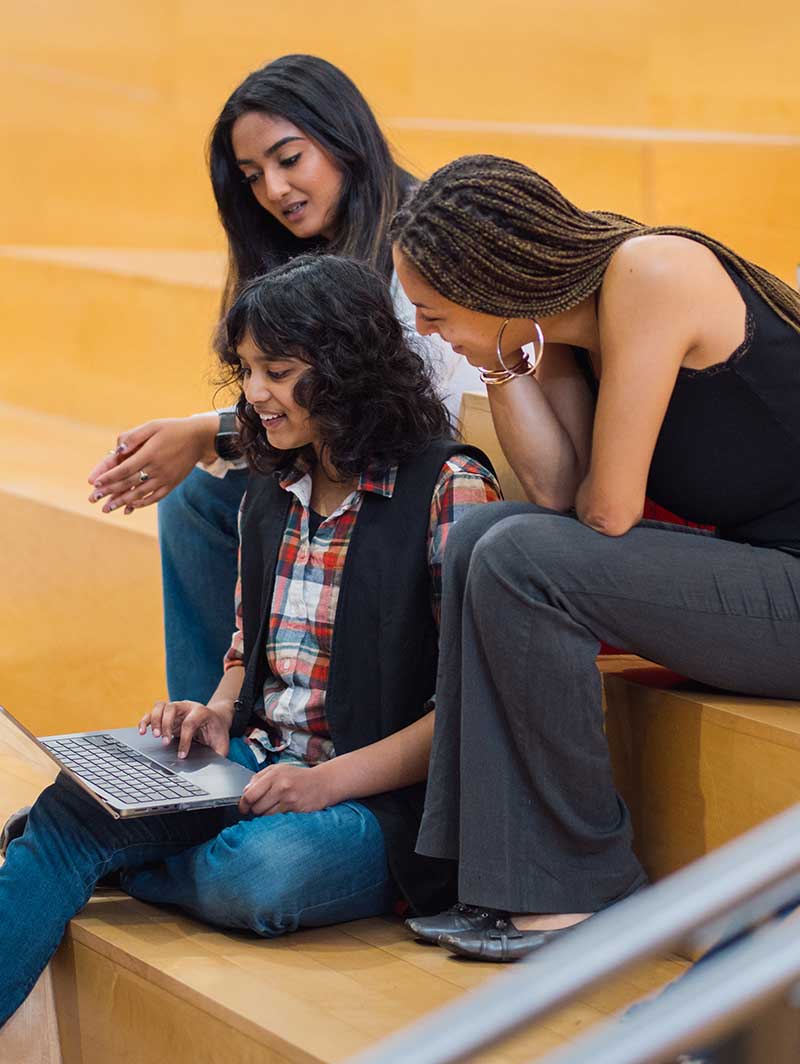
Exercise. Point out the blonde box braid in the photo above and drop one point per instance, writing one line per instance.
(494, 236)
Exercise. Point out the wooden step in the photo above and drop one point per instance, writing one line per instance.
(137, 983)
(107, 337)
(138, 87)
(81, 632)
(697, 767)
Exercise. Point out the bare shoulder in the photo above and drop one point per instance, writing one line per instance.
(658, 262)
(658, 292)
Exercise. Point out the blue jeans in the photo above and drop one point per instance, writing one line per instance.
(268, 874)
(199, 537)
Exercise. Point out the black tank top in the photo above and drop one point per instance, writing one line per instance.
(728, 453)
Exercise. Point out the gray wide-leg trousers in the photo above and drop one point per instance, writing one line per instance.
(520, 789)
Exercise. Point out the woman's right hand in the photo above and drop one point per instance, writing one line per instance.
(209, 725)
(166, 450)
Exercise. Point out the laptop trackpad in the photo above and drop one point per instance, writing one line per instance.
(202, 766)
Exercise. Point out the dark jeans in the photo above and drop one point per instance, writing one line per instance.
(520, 789)
(267, 874)
(197, 529)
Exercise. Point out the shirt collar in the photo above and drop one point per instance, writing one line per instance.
(375, 480)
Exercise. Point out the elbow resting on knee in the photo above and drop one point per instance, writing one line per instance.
(611, 523)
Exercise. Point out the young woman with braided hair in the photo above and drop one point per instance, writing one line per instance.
(663, 363)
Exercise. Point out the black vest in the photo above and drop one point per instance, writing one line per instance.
(385, 643)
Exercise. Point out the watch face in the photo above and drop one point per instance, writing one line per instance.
(228, 445)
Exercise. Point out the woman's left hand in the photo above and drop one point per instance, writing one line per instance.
(287, 789)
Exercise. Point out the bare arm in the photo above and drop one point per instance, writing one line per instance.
(651, 315)
(543, 424)
(396, 761)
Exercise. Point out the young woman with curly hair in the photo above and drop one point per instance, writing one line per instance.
(668, 365)
(327, 687)
(298, 163)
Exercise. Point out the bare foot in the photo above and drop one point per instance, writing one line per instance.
(547, 921)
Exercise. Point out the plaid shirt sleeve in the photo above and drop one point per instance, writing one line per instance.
(462, 484)
(235, 653)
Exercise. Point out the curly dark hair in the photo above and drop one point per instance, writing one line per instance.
(367, 389)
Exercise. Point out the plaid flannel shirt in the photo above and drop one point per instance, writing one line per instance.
(307, 582)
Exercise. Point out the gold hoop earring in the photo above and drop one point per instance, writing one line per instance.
(500, 332)
(537, 355)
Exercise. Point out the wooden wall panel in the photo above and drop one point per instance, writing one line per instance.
(546, 61)
(112, 106)
(746, 196)
(725, 65)
(92, 115)
(105, 348)
(81, 635)
(595, 173)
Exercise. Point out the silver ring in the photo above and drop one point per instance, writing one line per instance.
(143, 477)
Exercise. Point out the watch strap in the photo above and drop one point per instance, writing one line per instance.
(227, 442)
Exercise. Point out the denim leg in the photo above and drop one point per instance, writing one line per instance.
(197, 525)
(273, 874)
(50, 871)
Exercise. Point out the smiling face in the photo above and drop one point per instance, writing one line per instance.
(290, 175)
(469, 332)
(268, 386)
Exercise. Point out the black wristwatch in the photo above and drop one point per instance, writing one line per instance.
(227, 443)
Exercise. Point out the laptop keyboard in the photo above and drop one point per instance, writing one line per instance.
(117, 769)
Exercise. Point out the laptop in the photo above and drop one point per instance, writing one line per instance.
(137, 775)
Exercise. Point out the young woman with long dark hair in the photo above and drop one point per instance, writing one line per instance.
(326, 694)
(298, 163)
(663, 363)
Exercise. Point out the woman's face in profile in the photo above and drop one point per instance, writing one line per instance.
(268, 385)
(470, 333)
(289, 174)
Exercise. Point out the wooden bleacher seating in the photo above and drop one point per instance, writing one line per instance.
(100, 337)
(138, 983)
(697, 769)
(110, 342)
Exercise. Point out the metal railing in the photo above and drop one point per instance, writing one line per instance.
(727, 993)
(725, 892)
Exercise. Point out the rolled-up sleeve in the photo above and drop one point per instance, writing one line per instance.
(462, 484)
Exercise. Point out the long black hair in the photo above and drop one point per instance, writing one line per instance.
(324, 103)
(367, 390)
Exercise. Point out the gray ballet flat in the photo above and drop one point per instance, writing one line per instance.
(455, 921)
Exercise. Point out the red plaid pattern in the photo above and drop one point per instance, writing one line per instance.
(307, 581)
